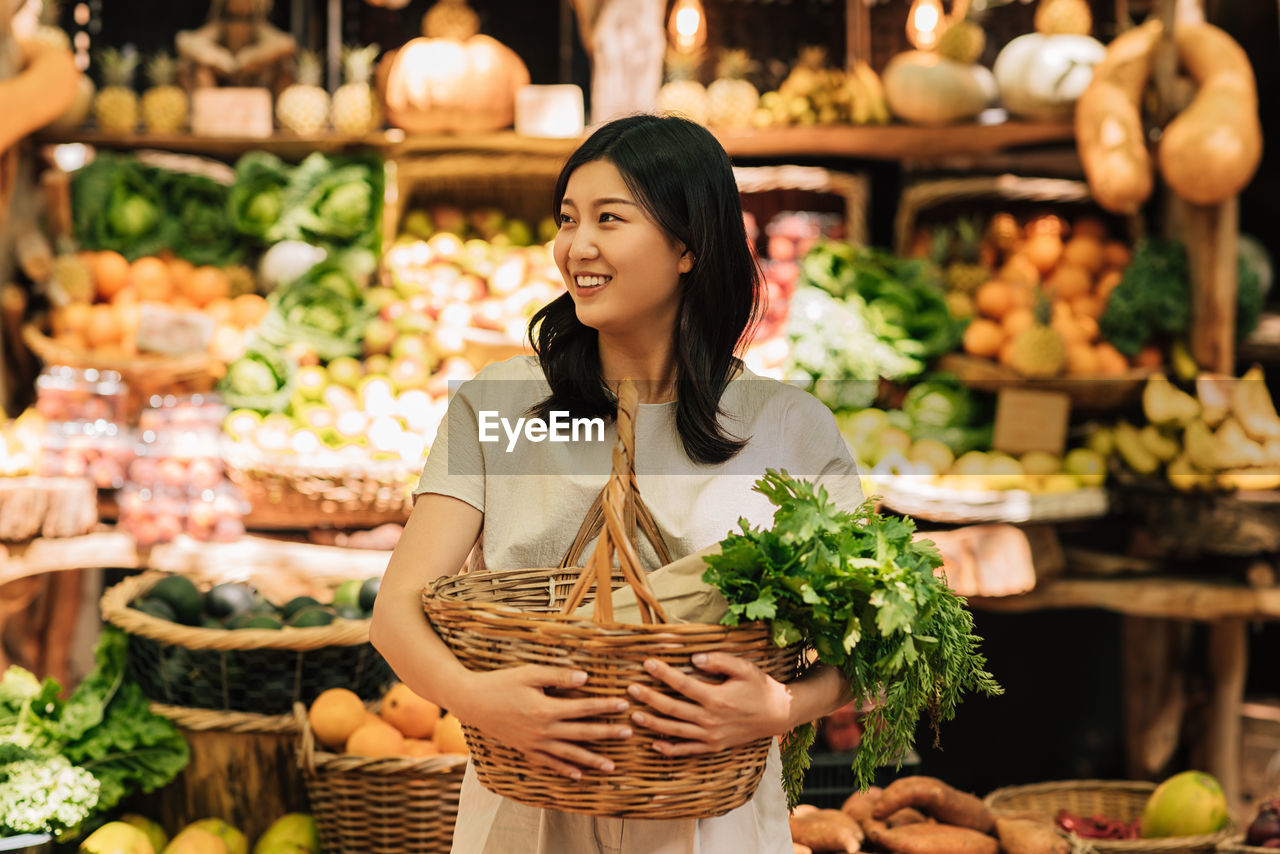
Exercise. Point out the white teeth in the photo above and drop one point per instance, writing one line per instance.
(591, 281)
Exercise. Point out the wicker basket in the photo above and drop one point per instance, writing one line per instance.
(285, 495)
(145, 375)
(393, 805)
(912, 496)
(243, 769)
(492, 620)
(813, 179)
(1116, 799)
(1236, 845)
(259, 670)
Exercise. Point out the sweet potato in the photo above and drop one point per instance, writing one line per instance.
(935, 798)
(906, 815)
(929, 838)
(860, 805)
(1023, 836)
(826, 831)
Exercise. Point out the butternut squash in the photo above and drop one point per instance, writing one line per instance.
(1109, 132)
(1212, 149)
(928, 89)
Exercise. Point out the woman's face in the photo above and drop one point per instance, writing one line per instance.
(622, 270)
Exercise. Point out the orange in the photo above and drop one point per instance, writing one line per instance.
(448, 736)
(334, 715)
(150, 278)
(220, 310)
(1006, 353)
(1068, 281)
(103, 328)
(73, 317)
(1081, 360)
(1149, 357)
(247, 310)
(1020, 269)
(1109, 282)
(414, 716)
(418, 747)
(180, 270)
(983, 338)
(71, 340)
(1088, 306)
(1111, 362)
(375, 738)
(1084, 252)
(1088, 327)
(1116, 255)
(110, 273)
(1044, 251)
(1018, 320)
(207, 284)
(994, 299)
(1089, 226)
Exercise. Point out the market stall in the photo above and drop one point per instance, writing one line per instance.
(1003, 243)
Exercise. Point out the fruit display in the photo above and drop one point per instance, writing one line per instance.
(98, 450)
(941, 87)
(21, 443)
(80, 394)
(292, 833)
(814, 93)
(682, 94)
(1225, 436)
(164, 105)
(115, 106)
(1264, 830)
(404, 725)
(304, 106)
(1042, 74)
(1035, 293)
(235, 605)
(355, 109)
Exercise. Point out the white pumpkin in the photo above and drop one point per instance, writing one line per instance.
(927, 89)
(1040, 77)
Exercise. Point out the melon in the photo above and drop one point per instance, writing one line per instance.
(1186, 804)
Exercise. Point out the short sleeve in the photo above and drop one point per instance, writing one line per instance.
(828, 455)
(455, 463)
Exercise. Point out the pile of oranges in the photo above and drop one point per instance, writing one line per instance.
(104, 318)
(1075, 267)
(405, 725)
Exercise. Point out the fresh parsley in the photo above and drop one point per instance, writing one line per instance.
(860, 591)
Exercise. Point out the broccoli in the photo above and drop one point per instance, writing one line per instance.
(45, 795)
(1153, 299)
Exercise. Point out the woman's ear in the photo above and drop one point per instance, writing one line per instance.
(686, 262)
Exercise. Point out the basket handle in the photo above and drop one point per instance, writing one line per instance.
(618, 507)
(594, 523)
(307, 739)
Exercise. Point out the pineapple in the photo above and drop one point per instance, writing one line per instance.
(304, 107)
(1064, 17)
(808, 75)
(116, 106)
(355, 109)
(450, 19)
(682, 94)
(1039, 351)
(164, 105)
(963, 41)
(966, 274)
(731, 100)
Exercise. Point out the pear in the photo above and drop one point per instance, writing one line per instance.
(1164, 448)
(1235, 450)
(1200, 449)
(1214, 391)
(1251, 404)
(1165, 404)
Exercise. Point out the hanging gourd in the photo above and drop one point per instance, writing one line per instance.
(453, 79)
(1042, 74)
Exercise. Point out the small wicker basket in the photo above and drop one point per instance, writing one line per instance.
(1116, 799)
(252, 670)
(1237, 845)
(392, 805)
(494, 620)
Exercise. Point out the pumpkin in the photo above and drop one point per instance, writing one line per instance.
(927, 89)
(436, 85)
(1042, 76)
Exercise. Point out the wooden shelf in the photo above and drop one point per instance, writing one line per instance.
(888, 142)
(1264, 344)
(1171, 598)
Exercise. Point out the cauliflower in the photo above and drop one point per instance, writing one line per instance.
(45, 795)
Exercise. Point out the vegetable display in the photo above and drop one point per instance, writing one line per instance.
(324, 309)
(863, 594)
(62, 761)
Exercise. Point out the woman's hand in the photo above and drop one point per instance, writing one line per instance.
(512, 706)
(749, 705)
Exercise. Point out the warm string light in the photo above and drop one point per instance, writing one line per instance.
(924, 24)
(687, 26)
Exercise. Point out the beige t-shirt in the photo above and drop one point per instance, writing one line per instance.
(534, 495)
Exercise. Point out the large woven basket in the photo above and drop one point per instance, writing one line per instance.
(285, 492)
(145, 374)
(783, 180)
(913, 496)
(1116, 799)
(252, 670)
(494, 620)
(392, 805)
(1236, 845)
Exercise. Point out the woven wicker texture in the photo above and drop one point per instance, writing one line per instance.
(853, 188)
(509, 618)
(394, 805)
(260, 670)
(1236, 845)
(145, 375)
(907, 494)
(1115, 799)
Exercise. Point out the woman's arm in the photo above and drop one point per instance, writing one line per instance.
(510, 704)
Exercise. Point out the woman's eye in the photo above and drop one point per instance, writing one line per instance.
(605, 217)
(564, 218)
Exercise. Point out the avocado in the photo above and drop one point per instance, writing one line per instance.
(296, 604)
(309, 618)
(348, 593)
(211, 623)
(350, 612)
(156, 608)
(181, 595)
(254, 621)
(369, 592)
(229, 599)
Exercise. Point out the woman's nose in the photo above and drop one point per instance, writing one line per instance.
(583, 246)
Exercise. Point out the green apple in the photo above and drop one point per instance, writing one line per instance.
(1041, 463)
(417, 223)
(379, 335)
(241, 423)
(971, 463)
(346, 371)
(417, 346)
(1004, 472)
(448, 219)
(932, 454)
(1102, 440)
(378, 297)
(409, 372)
(518, 232)
(1086, 464)
(311, 381)
(377, 364)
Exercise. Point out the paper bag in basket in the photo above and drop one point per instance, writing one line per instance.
(679, 588)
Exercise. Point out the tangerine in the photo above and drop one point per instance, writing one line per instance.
(247, 310)
(150, 278)
(335, 715)
(375, 738)
(207, 284)
(413, 715)
(420, 747)
(449, 737)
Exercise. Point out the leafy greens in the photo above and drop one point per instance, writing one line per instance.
(862, 593)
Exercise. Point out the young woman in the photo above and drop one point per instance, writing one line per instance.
(661, 289)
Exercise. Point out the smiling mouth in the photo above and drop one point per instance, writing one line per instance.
(586, 283)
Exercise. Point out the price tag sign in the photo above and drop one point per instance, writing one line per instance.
(1031, 420)
(171, 332)
(232, 111)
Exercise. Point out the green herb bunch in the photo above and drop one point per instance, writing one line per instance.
(862, 593)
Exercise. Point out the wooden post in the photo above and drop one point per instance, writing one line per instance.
(1155, 698)
(1210, 234)
(857, 26)
(1228, 664)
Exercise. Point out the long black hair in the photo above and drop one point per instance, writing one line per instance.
(682, 178)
